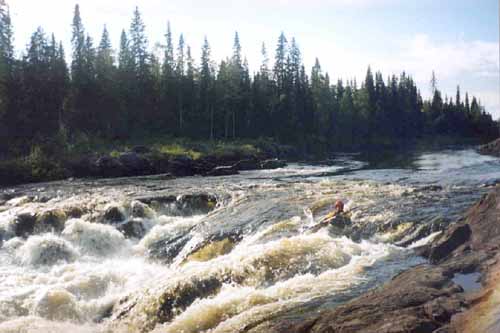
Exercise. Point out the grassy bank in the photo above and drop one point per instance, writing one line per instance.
(60, 159)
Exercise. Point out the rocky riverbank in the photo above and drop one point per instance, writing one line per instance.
(145, 161)
(492, 148)
(442, 296)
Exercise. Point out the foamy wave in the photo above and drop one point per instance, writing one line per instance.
(46, 250)
(93, 238)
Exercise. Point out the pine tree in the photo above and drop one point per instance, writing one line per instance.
(107, 99)
(206, 90)
(280, 62)
(433, 83)
(6, 74)
(264, 67)
(180, 77)
(78, 43)
(168, 83)
(139, 45)
(82, 77)
(142, 101)
(126, 78)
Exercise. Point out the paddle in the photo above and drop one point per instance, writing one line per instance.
(323, 223)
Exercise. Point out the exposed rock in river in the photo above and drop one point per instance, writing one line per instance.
(492, 148)
(52, 220)
(425, 298)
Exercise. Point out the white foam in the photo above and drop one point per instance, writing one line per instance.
(45, 250)
(94, 238)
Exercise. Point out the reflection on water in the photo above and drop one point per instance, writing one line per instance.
(169, 258)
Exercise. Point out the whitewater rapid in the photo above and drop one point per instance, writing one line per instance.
(223, 254)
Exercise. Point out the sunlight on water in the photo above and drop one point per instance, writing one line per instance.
(92, 257)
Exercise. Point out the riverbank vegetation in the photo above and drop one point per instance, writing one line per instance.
(51, 104)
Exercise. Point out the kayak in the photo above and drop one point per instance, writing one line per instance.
(336, 222)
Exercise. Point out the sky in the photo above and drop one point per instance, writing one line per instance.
(458, 39)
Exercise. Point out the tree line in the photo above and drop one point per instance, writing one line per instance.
(114, 95)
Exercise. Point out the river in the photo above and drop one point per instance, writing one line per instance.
(228, 254)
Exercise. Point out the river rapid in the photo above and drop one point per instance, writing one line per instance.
(228, 254)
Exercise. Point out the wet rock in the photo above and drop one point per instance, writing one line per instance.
(484, 221)
(193, 204)
(114, 214)
(182, 166)
(24, 224)
(182, 296)
(214, 247)
(169, 303)
(108, 166)
(492, 148)
(184, 205)
(84, 166)
(491, 183)
(132, 229)
(246, 165)
(273, 164)
(58, 305)
(50, 221)
(141, 210)
(75, 212)
(166, 250)
(414, 301)
(430, 188)
(417, 234)
(453, 238)
(3, 236)
(160, 163)
(222, 171)
(154, 201)
(135, 165)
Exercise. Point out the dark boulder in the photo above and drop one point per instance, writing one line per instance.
(24, 224)
(172, 301)
(132, 229)
(141, 210)
(182, 166)
(108, 166)
(114, 214)
(50, 221)
(193, 204)
(273, 164)
(167, 249)
(246, 165)
(135, 165)
(75, 212)
(492, 148)
(160, 163)
(204, 165)
(454, 237)
(184, 205)
(84, 166)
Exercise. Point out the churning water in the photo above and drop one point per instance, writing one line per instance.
(227, 254)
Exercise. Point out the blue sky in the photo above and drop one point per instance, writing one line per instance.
(456, 38)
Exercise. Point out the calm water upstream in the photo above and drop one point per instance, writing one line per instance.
(227, 254)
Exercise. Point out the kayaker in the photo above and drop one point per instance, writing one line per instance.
(336, 217)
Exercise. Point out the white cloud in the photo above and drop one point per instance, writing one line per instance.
(474, 65)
